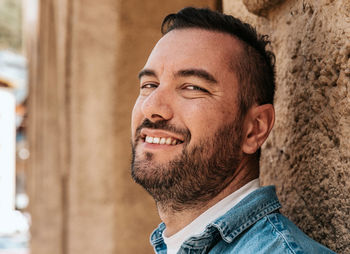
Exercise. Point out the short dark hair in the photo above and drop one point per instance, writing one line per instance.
(255, 68)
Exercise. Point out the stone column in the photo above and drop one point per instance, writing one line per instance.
(307, 155)
(83, 86)
(47, 127)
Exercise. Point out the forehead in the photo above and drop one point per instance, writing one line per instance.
(182, 48)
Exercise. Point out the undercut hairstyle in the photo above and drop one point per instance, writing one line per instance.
(254, 67)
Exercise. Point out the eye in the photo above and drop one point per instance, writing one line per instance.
(149, 85)
(195, 88)
(147, 88)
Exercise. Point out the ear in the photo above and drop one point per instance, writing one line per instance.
(257, 126)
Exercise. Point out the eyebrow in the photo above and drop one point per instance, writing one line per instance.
(200, 73)
(147, 72)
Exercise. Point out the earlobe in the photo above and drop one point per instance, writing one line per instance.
(257, 126)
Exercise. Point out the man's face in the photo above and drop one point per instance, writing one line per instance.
(186, 127)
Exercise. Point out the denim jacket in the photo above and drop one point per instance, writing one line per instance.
(252, 226)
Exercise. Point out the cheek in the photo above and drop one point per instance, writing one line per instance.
(204, 117)
(136, 116)
(203, 120)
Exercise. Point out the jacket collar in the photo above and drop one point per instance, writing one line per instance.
(248, 211)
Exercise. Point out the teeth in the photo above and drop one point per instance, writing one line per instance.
(149, 139)
(161, 141)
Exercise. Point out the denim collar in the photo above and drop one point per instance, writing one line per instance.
(248, 211)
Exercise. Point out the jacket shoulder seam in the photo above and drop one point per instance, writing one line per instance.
(281, 235)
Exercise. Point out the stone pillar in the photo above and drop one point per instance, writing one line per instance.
(307, 155)
(83, 86)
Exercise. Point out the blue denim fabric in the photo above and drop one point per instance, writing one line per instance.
(252, 226)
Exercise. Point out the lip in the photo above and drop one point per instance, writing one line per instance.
(158, 147)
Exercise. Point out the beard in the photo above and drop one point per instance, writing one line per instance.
(195, 176)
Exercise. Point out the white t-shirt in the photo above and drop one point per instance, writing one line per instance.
(197, 226)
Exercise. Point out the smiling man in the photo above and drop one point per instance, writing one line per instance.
(205, 108)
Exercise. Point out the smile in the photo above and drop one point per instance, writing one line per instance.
(162, 140)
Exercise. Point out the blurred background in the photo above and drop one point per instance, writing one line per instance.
(68, 82)
(14, 151)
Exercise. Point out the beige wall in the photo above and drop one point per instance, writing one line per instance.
(83, 86)
(308, 154)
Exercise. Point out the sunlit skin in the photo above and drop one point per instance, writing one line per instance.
(190, 102)
(189, 82)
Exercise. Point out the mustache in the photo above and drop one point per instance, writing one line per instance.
(163, 125)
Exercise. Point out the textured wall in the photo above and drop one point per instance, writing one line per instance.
(307, 156)
(82, 89)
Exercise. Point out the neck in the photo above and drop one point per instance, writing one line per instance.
(175, 220)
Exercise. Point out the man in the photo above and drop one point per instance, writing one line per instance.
(203, 112)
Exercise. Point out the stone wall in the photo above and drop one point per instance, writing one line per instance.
(83, 85)
(307, 156)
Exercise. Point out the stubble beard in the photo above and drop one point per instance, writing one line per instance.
(194, 177)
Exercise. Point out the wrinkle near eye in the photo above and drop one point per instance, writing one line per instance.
(146, 88)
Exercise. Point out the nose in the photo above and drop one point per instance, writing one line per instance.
(157, 106)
